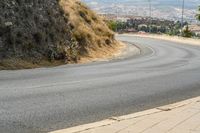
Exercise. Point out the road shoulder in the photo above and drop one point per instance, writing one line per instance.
(177, 39)
(122, 51)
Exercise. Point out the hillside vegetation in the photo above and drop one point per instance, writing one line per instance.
(36, 33)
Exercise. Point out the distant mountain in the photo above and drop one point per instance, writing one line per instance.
(168, 9)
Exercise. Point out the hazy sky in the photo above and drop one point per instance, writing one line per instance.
(166, 8)
(188, 3)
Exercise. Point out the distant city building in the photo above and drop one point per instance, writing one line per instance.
(166, 9)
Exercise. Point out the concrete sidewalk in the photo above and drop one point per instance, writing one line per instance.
(182, 117)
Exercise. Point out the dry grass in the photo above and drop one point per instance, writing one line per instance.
(89, 30)
(93, 39)
(104, 54)
(14, 64)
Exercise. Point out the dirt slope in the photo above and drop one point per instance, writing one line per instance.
(36, 33)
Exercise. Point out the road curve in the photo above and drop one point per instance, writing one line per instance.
(47, 99)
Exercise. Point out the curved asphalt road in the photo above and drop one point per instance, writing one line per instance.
(47, 99)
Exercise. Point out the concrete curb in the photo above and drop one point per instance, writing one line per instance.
(126, 117)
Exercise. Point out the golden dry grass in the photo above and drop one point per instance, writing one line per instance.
(104, 54)
(88, 28)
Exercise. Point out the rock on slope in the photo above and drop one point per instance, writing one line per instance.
(37, 33)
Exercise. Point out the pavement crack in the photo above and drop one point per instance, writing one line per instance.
(115, 119)
(152, 125)
(168, 108)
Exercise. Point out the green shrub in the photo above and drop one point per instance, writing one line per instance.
(38, 37)
(186, 32)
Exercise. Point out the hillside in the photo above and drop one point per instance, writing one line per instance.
(38, 33)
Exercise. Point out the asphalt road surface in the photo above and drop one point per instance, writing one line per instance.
(47, 99)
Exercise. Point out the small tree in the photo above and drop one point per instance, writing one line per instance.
(198, 14)
(112, 25)
(187, 32)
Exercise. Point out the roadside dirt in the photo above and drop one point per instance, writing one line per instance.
(107, 53)
(121, 50)
(170, 38)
